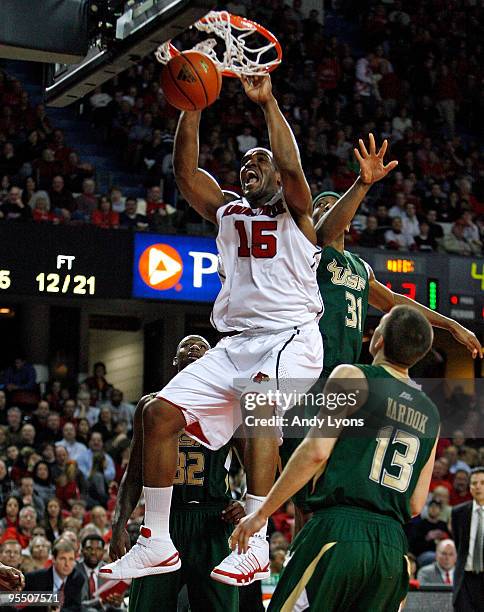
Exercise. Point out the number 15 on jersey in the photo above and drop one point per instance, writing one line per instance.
(264, 244)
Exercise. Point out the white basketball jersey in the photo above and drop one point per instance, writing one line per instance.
(267, 268)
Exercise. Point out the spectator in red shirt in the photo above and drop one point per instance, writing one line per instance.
(154, 200)
(104, 217)
(26, 523)
(442, 444)
(67, 488)
(284, 521)
(329, 73)
(41, 212)
(460, 489)
(440, 475)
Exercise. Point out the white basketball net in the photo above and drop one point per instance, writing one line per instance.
(238, 57)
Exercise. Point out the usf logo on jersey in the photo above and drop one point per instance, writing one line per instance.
(344, 276)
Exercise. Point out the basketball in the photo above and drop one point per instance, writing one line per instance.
(191, 81)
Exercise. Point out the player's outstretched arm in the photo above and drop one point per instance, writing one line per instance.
(372, 169)
(198, 188)
(383, 298)
(283, 145)
(310, 456)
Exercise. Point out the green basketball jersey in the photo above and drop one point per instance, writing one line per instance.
(377, 467)
(202, 474)
(343, 280)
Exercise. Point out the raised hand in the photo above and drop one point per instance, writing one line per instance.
(245, 529)
(372, 167)
(467, 338)
(258, 88)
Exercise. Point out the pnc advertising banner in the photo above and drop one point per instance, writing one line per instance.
(169, 267)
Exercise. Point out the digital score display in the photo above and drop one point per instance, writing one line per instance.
(400, 266)
(466, 289)
(451, 285)
(397, 264)
(74, 262)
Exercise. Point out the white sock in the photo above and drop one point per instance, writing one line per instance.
(157, 510)
(252, 504)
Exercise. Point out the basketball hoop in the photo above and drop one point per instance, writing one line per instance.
(238, 59)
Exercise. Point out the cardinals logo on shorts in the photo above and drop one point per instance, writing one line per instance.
(260, 377)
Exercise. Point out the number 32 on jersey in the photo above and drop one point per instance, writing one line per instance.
(264, 243)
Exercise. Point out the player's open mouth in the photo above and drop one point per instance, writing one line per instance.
(251, 178)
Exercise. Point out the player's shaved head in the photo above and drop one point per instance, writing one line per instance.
(406, 334)
(257, 150)
(190, 340)
(259, 177)
(189, 349)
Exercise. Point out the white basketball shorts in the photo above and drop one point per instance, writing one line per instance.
(208, 391)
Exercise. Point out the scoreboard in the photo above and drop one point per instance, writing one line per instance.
(453, 286)
(71, 262)
(83, 263)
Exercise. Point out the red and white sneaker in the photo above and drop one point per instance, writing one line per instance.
(148, 556)
(243, 569)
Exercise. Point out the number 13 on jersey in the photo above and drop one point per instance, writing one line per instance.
(264, 244)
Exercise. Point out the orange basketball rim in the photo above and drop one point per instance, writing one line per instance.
(239, 58)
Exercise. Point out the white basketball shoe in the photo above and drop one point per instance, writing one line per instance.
(148, 556)
(244, 568)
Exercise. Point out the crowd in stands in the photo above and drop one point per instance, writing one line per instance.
(64, 451)
(62, 455)
(412, 73)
